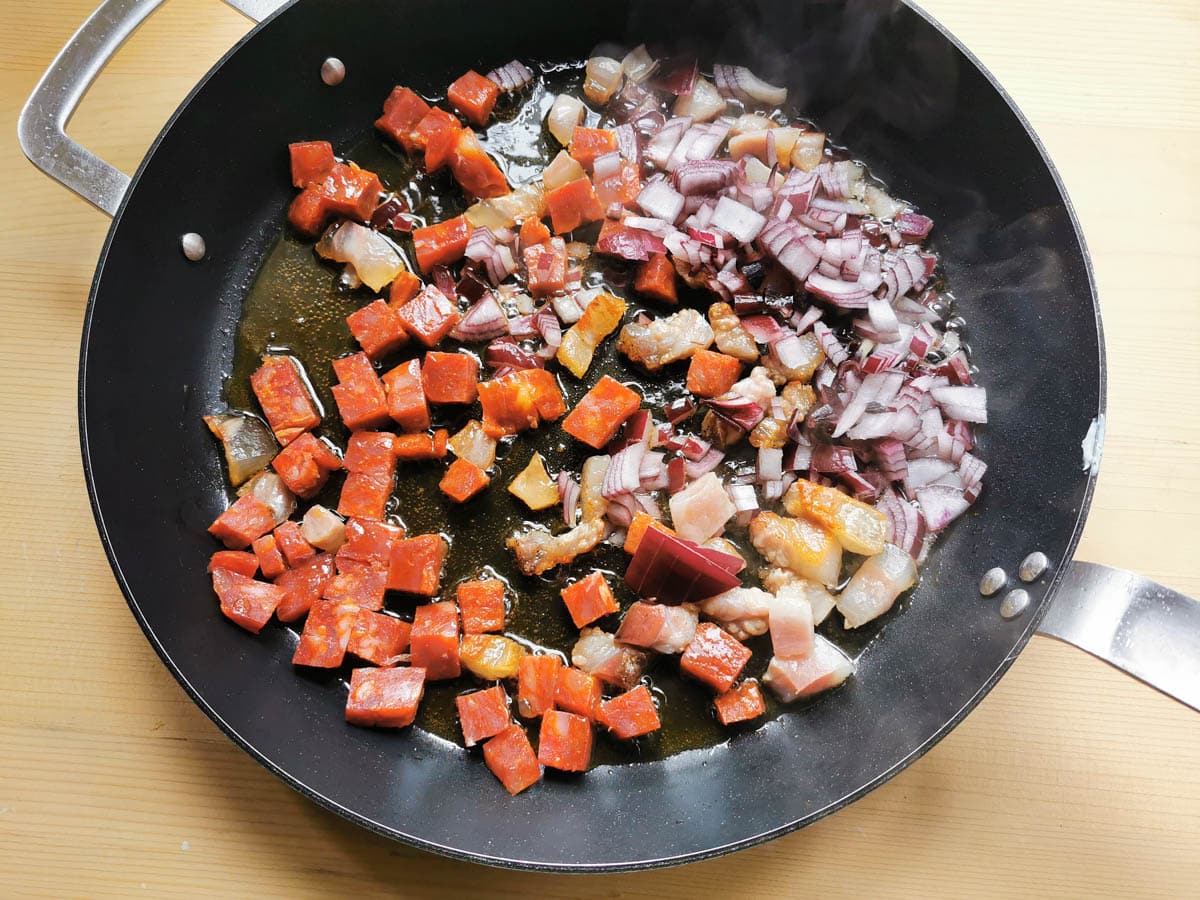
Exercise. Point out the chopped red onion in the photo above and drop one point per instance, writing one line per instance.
(738, 410)
(512, 76)
(660, 200)
(770, 464)
(659, 150)
(511, 355)
(672, 570)
(766, 330)
(830, 344)
(677, 75)
(965, 402)
(677, 475)
(913, 226)
(833, 459)
(704, 176)
(568, 489)
(941, 504)
(740, 221)
(623, 474)
(740, 82)
(745, 501)
(703, 465)
(631, 243)
(549, 327)
(482, 322)
(606, 165)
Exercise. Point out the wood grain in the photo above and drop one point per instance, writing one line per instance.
(1070, 779)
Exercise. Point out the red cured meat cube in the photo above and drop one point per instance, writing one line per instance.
(429, 316)
(482, 714)
(714, 657)
(270, 560)
(311, 162)
(302, 586)
(631, 714)
(368, 545)
(406, 396)
(511, 758)
(740, 704)
(565, 742)
(284, 398)
(433, 641)
(385, 698)
(577, 692)
(416, 565)
(325, 636)
(235, 561)
(377, 638)
(292, 544)
(537, 684)
(304, 465)
(247, 519)
(377, 329)
(245, 601)
(359, 394)
(589, 599)
(481, 604)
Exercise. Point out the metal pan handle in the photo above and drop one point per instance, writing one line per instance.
(41, 128)
(1149, 631)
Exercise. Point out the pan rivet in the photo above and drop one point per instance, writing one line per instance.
(193, 246)
(1033, 567)
(333, 71)
(992, 581)
(1014, 603)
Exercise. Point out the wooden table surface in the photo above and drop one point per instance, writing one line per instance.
(1069, 779)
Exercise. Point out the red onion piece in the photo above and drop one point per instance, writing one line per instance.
(738, 410)
(512, 76)
(702, 466)
(671, 570)
(676, 75)
(508, 353)
(738, 220)
(482, 322)
(568, 489)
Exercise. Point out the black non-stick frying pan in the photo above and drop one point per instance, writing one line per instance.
(891, 84)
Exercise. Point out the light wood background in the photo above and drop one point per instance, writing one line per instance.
(1069, 780)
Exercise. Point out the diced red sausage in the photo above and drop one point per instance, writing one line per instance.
(270, 560)
(577, 692)
(655, 278)
(364, 587)
(463, 480)
(368, 545)
(596, 419)
(631, 714)
(429, 316)
(433, 641)
(406, 396)
(715, 657)
(589, 599)
(711, 374)
(304, 465)
(537, 684)
(402, 110)
(511, 758)
(361, 400)
(372, 469)
(245, 601)
(292, 544)
(533, 232)
(740, 704)
(307, 212)
(421, 446)
(546, 267)
(350, 191)
(403, 288)
(474, 96)
(385, 698)
(302, 586)
(565, 742)
(284, 398)
(588, 143)
(325, 636)
(481, 604)
(416, 564)
(572, 205)
(482, 714)
(241, 562)
(437, 135)
(311, 162)
(476, 172)
(377, 638)
(247, 519)
(441, 243)
(377, 329)
(450, 377)
(520, 400)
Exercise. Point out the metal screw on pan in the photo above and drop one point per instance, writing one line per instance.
(1033, 567)
(991, 582)
(1014, 603)
(193, 246)
(333, 71)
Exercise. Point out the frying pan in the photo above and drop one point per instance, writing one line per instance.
(883, 77)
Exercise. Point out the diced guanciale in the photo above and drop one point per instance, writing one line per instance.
(359, 394)
(520, 400)
(511, 759)
(304, 465)
(429, 316)
(589, 599)
(433, 641)
(599, 319)
(622, 186)
(714, 657)
(631, 714)
(235, 561)
(385, 698)
(325, 636)
(442, 243)
(406, 396)
(416, 565)
(302, 586)
(600, 414)
(740, 704)
(482, 714)
(284, 398)
(474, 96)
(481, 604)
(378, 638)
(247, 519)
(377, 329)
(577, 692)
(450, 377)
(490, 656)
(537, 684)
(565, 742)
(245, 601)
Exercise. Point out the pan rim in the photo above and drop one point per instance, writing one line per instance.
(581, 867)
